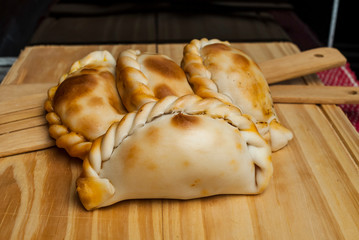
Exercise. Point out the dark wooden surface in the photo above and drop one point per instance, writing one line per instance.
(178, 22)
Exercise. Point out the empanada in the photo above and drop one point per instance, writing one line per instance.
(84, 104)
(145, 77)
(177, 147)
(216, 69)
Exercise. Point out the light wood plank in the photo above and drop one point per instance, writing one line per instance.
(25, 140)
(343, 127)
(25, 123)
(330, 166)
(22, 114)
(314, 94)
(301, 64)
(39, 201)
(21, 103)
(10, 92)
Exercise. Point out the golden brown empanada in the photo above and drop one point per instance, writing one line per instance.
(216, 69)
(84, 104)
(177, 147)
(145, 77)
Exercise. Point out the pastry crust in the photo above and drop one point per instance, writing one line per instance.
(84, 104)
(178, 147)
(216, 69)
(146, 77)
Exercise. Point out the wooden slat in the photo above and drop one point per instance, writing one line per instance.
(10, 92)
(341, 124)
(344, 128)
(21, 103)
(23, 114)
(304, 63)
(19, 125)
(23, 126)
(25, 140)
(314, 94)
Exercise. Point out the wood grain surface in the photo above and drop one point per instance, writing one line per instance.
(314, 192)
(316, 94)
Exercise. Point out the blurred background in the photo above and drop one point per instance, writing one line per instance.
(305, 23)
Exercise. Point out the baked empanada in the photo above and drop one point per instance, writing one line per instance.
(145, 77)
(177, 147)
(216, 69)
(84, 104)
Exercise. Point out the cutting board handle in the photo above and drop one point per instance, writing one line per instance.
(301, 64)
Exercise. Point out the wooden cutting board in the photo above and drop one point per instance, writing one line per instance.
(314, 192)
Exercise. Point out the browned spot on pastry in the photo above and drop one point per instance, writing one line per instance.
(130, 156)
(165, 67)
(88, 70)
(204, 192)
(240, 61)
(195, 182)
(257, 92)
(75, 87)
(186, 163)
(184, 121)
(162, 91)
(234, 164)
(116, 104)
(150, 165)
(153, 134)
(108, 76)
(96, 101)
(135, 157)
(74, 108)
(239, 146)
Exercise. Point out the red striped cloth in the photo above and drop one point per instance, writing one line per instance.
(343, 76)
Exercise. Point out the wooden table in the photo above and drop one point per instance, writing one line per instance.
(314, 192)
